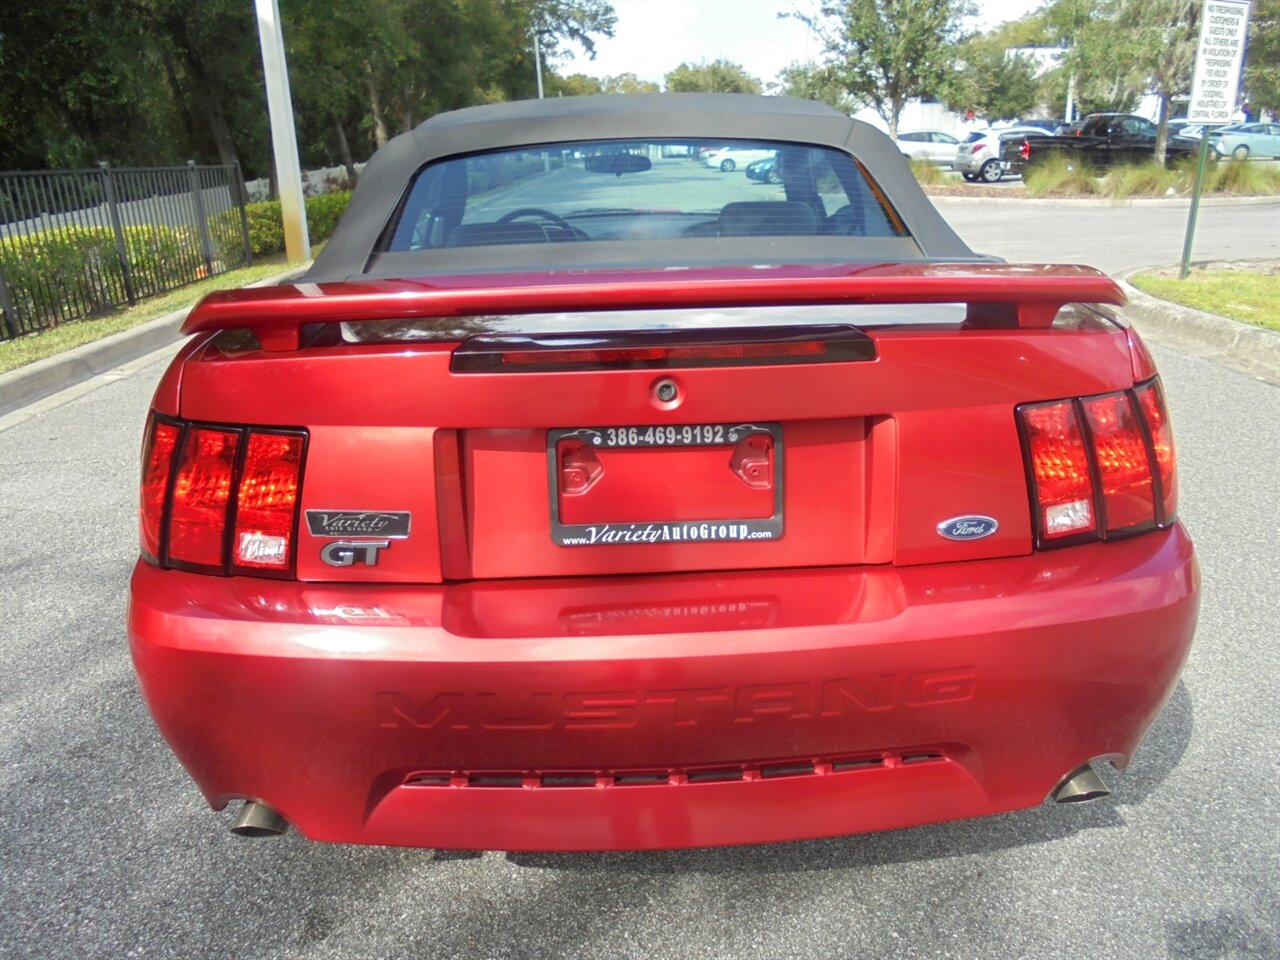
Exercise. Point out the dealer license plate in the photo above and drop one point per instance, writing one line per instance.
(669, 484)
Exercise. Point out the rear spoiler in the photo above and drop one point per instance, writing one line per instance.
(998, 294)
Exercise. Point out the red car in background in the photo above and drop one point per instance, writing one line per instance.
(582, 498)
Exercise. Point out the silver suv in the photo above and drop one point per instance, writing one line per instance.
(978, 157)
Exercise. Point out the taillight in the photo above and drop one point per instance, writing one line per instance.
(1024, 151)
(201, 492)
(1151, 402)
(1124, 466)
(267, 502)
(157, 464)
(1059, 470)
(220, 499)
(1099, 466)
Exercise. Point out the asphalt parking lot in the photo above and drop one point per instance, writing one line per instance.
(108, 850)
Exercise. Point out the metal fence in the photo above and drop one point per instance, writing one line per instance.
(74, 243)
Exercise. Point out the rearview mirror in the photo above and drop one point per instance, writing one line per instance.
(618, 163)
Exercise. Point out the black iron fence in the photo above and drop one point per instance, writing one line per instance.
(74, 243)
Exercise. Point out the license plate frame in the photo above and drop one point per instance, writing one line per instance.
(667, 532)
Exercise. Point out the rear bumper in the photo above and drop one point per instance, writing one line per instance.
(648, 712)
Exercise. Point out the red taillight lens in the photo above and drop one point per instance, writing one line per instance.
(1151, 402)
(1124, 466)
(267, 501)
(157, 460)
(1024, 151)
(248, 477)
(1060, 474)
(1115, 477)
(201, 494)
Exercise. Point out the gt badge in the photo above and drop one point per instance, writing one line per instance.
(392, 524)
(968, 528)
(346, 553)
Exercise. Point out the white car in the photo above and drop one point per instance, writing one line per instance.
(729, 159)
(932, 145)
(978, 158)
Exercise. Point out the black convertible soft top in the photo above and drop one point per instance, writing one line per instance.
(619, 117)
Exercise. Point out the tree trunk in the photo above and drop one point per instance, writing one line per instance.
(375, 107)
(205, 92)
(407, 106)
(344, 150)
(1162, 128)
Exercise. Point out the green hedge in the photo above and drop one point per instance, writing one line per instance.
(266, 223)
(75, 271)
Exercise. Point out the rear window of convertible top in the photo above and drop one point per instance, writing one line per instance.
(664, 193)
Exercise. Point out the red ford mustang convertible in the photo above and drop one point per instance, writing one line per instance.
(581, 497)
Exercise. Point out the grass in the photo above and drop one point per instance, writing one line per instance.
(1251, 296)
(1239, 177)
(47, 343)
(1148, 179)
(928, 174)
(1059, 176)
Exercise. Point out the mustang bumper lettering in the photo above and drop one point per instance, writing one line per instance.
(666, 710)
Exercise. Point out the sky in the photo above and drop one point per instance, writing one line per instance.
(654, 36)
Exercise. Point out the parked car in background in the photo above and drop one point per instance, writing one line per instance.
(978, 158)
(1245, 140)
(729, 159)
(1046, 124)
(766, 170)
(637, 508)
(931, 145)
(1104, 139)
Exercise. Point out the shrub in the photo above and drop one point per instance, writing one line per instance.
(62, 274)
(266, 223)
(1058, 175)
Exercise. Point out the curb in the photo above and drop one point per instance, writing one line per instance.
(1174, 203)
(1252, 350)
(40, 379)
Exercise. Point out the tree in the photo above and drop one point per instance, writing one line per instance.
(887, 52)
(718, 76)
(628, 83)
(1262, 72)
(993, 82)
(1165, 34)
(1134, 47)
(810, 81)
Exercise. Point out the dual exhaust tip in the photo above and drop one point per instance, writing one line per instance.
(258, 820)
(1080, 787)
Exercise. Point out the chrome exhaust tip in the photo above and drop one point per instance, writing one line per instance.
(1080, 787)
(259, 820)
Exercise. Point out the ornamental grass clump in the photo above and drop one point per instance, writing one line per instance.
(1148, 179)
(1245, 178)
(1057, 175)
(928, 174)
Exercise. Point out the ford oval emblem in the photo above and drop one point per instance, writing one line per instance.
(968, 528)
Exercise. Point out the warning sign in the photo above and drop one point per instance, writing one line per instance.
(1222, 35)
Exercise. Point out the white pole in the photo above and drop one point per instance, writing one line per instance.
(284, 139)
(537, 61)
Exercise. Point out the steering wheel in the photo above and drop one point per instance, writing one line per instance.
(541, 214)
